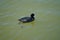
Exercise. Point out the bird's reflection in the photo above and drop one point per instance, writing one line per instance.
(20, 23)
(27, 24)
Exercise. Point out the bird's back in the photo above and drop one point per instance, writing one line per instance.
(26, 19)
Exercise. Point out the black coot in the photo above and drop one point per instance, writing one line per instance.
(27, 19)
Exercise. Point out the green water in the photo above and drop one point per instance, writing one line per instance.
(45, 27)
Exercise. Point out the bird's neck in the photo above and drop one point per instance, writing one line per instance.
(32, 17)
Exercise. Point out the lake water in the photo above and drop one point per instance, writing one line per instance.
(45, 27)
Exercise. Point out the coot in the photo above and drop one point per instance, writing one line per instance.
(27, 19)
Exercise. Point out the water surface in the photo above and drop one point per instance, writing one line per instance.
(45, 27)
